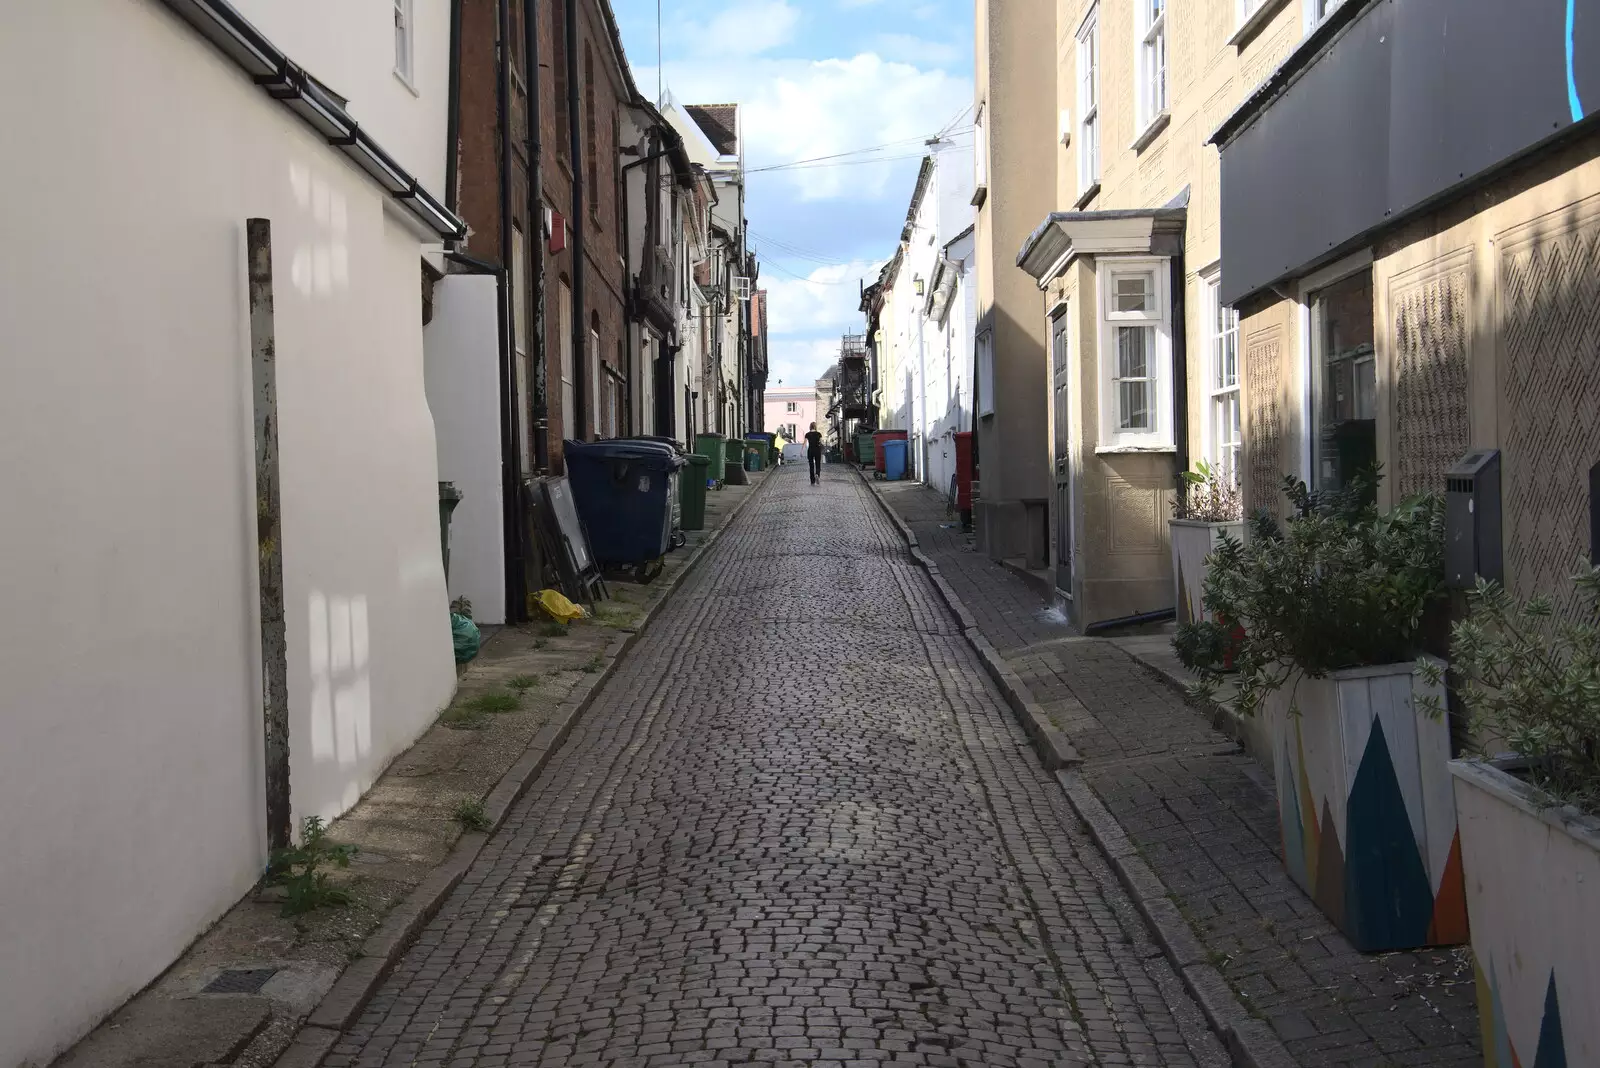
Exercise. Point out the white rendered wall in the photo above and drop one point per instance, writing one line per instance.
(348, 45)
(462, 347)
(130, 753)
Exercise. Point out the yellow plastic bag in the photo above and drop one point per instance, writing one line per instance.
(559, 608)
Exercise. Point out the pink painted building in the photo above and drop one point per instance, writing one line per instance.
(790, 410)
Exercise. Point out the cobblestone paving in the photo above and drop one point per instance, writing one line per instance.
(795, 828)
(1202, 815)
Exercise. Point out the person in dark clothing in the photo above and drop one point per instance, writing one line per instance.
(814, 453)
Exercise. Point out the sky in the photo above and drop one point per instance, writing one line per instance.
(816, 78)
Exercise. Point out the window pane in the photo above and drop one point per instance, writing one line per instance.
(1346, 434)
(1133, 359)
(1133, 405)
(1230, 361)
(1133, 292)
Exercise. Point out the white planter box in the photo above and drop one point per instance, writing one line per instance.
(1191, 543)
(1365, 806)
(1533, 892)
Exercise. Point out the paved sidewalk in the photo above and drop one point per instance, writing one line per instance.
(1203, 816)
(797, 826)
(1010, 612)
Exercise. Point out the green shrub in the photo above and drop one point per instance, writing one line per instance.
(1339, 585)
(298, 870)
(1533, 681)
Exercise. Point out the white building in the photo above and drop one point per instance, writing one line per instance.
(926, 335)
(714, 142)
(132, 796)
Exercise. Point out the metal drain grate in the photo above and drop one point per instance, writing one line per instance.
(240, 981)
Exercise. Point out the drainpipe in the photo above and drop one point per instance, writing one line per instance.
(580, 318)
(452, 134)
(1180, 373)
(541, 364)
(510, 424)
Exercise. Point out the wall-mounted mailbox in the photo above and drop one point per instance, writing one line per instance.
(1472, 520)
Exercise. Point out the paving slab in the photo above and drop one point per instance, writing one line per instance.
(1188, 821)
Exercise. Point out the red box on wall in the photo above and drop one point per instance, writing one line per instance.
(963, 470)
(558, 232)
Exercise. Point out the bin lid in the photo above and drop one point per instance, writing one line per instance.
(696, 460)
(894, 445)
(657, 457)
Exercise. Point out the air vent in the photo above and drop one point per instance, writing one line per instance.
(240, 981)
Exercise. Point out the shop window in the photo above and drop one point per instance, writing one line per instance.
(1344, 437)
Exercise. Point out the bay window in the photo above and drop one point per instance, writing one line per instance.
(1135, 355)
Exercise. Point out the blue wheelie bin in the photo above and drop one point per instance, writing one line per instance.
(894, 459)
(672, 448)
(623, 492)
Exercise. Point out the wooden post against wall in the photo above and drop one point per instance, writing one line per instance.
(269, 542)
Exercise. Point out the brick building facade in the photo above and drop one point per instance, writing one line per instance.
(585, 389)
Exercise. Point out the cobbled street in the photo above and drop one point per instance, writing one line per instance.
(797, 826)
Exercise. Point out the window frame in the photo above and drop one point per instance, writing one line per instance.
(1152, 62)
(1312, 18)
(1088, 100)
(1224, 436)
(405, 50)
(1316, 366)
(569, 382)
(1158, 436)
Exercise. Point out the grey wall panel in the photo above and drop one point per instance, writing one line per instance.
(1415, 98)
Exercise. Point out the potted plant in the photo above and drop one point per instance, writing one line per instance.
(1207, 508)
(1333, 607)
(1530, 824)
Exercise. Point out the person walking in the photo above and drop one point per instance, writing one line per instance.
(814, 453)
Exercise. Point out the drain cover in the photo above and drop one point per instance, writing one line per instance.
(240, 981)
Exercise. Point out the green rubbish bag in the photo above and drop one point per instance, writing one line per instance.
(467, 638)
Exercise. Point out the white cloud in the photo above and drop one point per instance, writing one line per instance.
(918, 51)
(795, 109)
(741, 29)
(828, 301)
(799, 361)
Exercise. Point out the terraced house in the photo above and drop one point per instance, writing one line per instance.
(1141, 359)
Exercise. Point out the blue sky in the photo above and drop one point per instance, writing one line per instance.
(816, 78)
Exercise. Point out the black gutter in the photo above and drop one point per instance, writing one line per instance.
(452, 134)
(1163, 615)
(580, 323)
(510, 417)
(299, 91)
(1180, 372)
(541, 406)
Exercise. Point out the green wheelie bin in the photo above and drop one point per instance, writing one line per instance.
(692, 492)
(711, 446)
